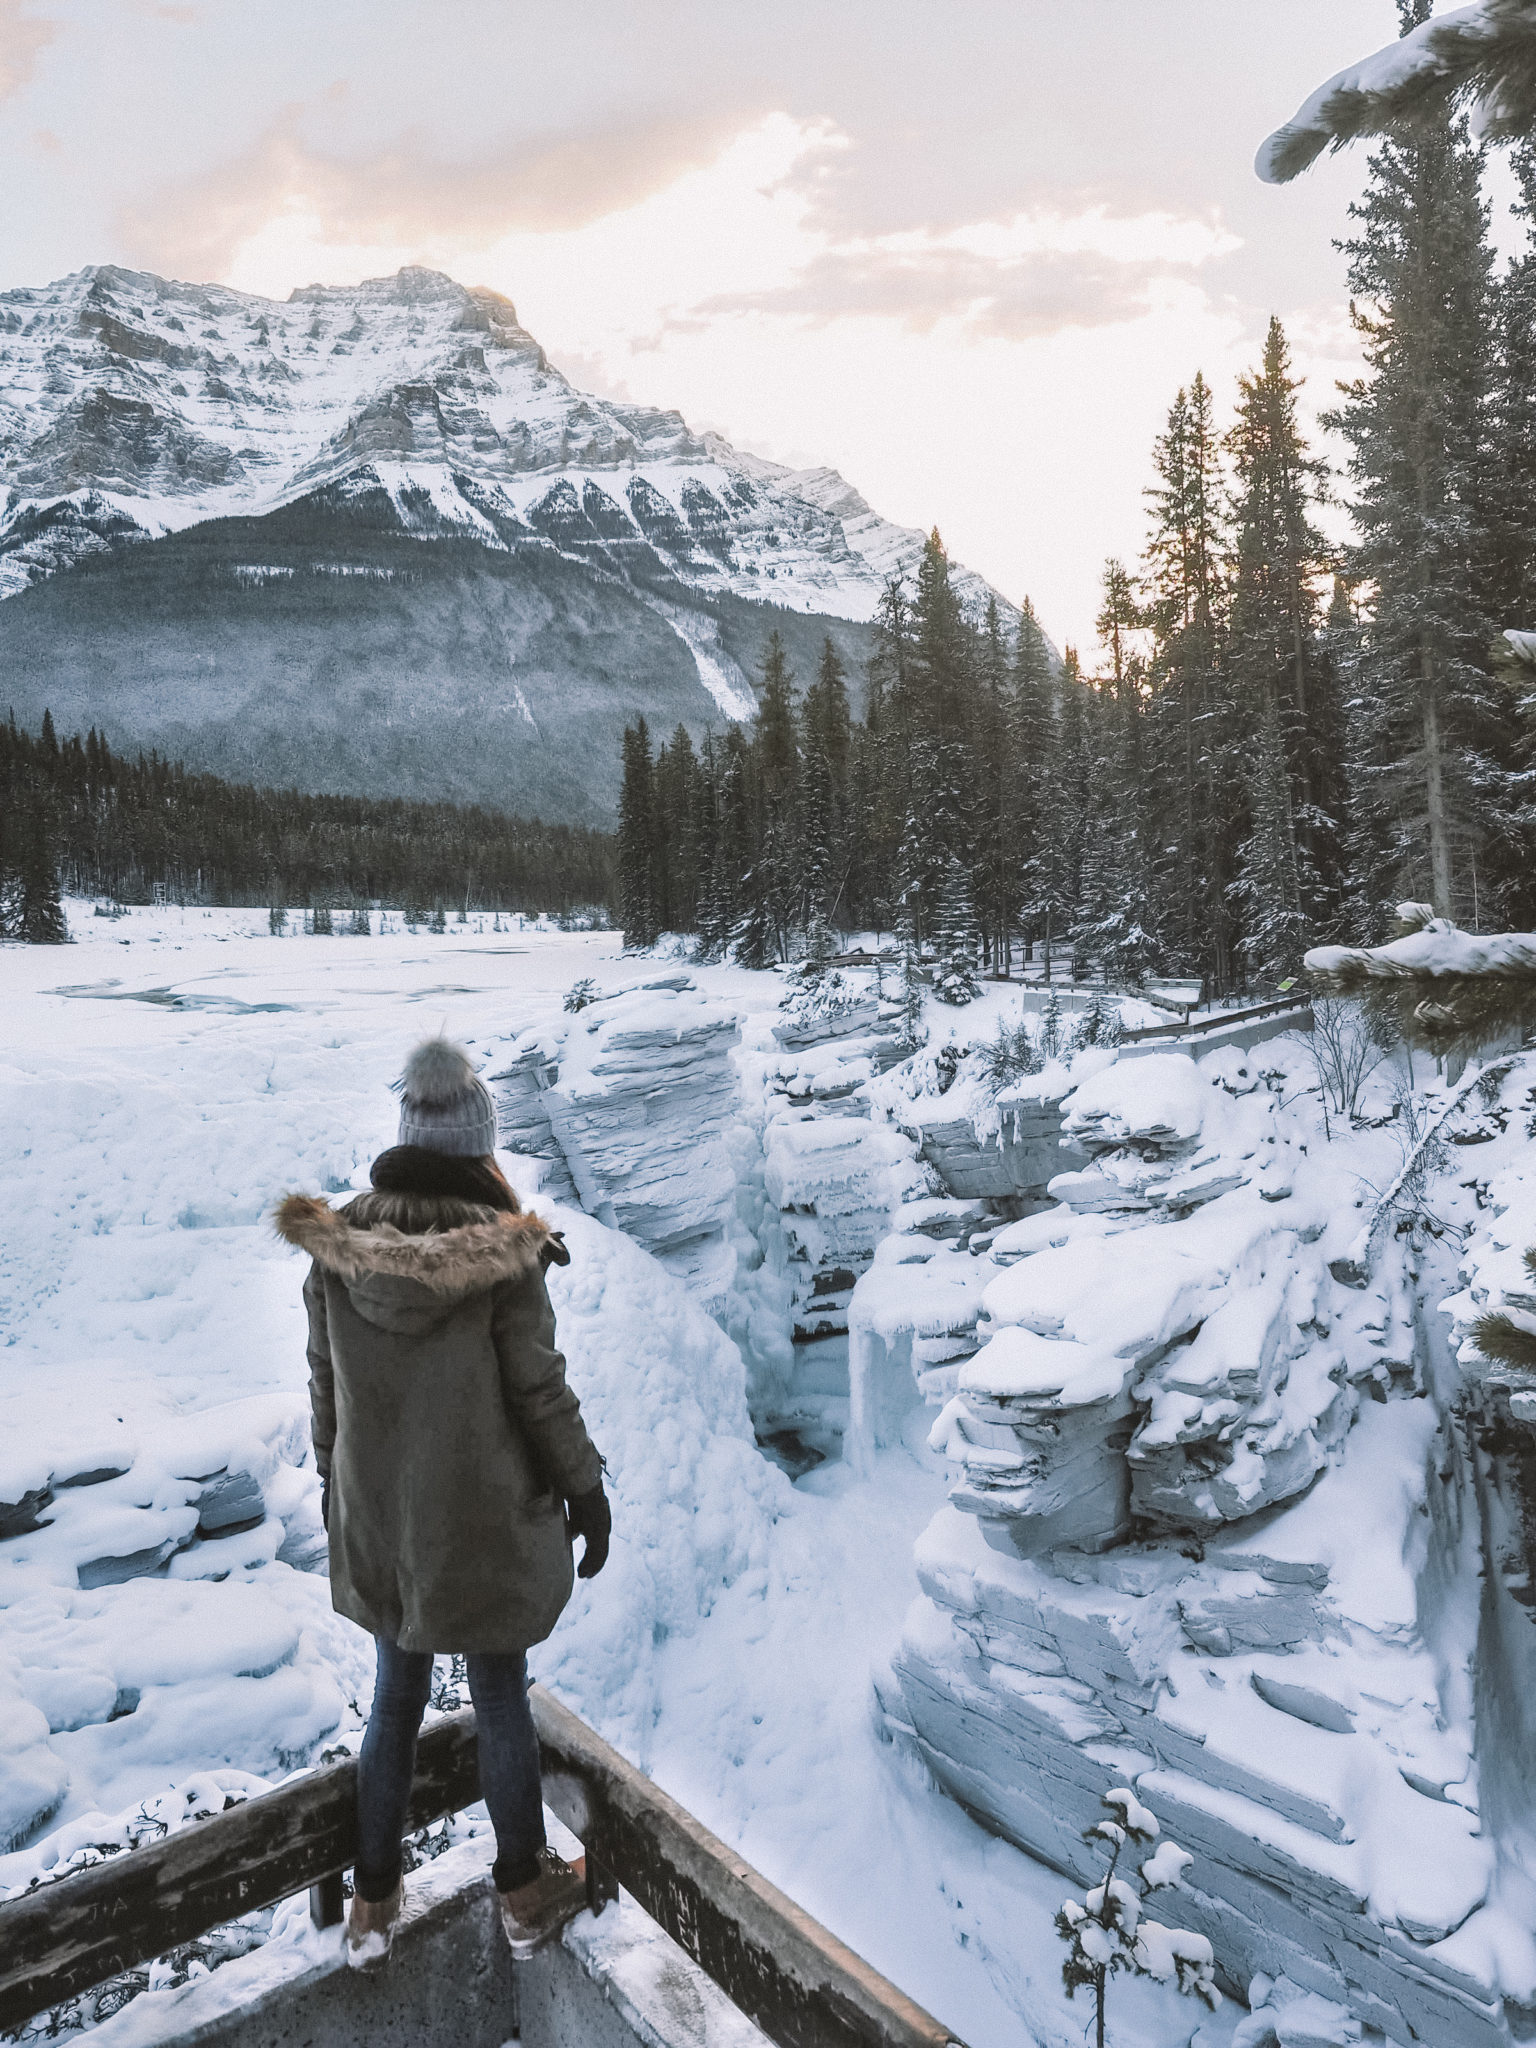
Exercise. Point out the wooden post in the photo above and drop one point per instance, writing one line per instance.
(63, 1938)
(800, 1985)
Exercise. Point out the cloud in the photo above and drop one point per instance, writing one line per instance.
(1017, 280)
(22, 41)
(1017, 302)
(408, 195)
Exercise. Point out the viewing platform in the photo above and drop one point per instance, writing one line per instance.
(697, 1951)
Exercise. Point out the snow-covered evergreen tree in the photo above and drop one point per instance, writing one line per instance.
(1035, 745)
(822, 790)
(1189, 741)
(996, 865)
(942, 678)
(911, 1030)
(956, 940)
(1054, 1030)
(1277, 656)
(1275, 926)
(1115, 927)
(1416, 425)
(1108, 1932)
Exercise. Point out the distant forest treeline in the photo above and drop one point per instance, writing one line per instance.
(134, 831)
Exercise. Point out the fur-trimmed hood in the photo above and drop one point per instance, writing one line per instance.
(365, 1242)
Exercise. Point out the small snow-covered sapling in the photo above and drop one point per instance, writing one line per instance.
(1107, 1930)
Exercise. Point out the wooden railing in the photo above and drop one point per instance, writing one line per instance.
(800, 1985)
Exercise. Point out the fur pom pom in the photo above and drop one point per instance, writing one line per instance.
(437, 1072)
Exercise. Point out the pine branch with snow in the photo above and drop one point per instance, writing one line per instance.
(1483, 56)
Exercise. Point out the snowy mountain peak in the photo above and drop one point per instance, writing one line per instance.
(134, 405)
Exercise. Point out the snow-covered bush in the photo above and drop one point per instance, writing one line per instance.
(818, 999)
(1011, 1055)
(1100, 1022)
(1055, 1029)
(1107, 1931)
(580, 995)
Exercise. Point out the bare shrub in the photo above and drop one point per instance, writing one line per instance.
(1346, 1050)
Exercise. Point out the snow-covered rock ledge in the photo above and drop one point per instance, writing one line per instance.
(1215, 1535)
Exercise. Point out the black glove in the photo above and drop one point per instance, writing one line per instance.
(590, 1517)
(325, 1503)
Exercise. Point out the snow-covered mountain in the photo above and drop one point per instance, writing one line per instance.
(369, 537)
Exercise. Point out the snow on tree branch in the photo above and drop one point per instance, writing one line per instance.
(1483, 56)
(1106, 1931)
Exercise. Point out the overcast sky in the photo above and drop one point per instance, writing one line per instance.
(964, 251)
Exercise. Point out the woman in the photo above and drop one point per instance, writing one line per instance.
(455, 1468)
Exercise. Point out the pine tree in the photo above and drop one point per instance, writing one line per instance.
(1509, 495)
(1281, 676)
(1115, 923)
(1269, 875)
(820, 951)
(1416, 422)
(997, 867)
(880, 774)
(1129, 942)
(1188, 731)
(1510, 599)
(677, 852)
(37, 914)
(955, 938)
(823, 790)
(911, 1030)
(1070, 803)
(772, 885)
(942, 678)
(1054, 1031)
(637, 841)
(1034, 745)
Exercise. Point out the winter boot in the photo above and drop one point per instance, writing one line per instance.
(371, 1929)
(535, 1913)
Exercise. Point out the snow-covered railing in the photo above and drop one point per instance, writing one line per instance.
(1220, 1020)
(797, 1982)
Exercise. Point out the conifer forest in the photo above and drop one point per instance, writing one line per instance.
(75, 816)
(1273, 742)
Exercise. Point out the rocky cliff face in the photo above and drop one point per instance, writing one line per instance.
(1227, 1526)
(371, 538)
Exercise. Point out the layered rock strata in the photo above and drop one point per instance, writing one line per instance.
(634, 1102)
(1185, 1553)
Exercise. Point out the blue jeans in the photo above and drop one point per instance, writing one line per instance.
(509, 1765)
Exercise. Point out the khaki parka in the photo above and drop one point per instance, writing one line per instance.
(442, 1417)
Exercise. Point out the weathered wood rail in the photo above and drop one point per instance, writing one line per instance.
(796, 1981)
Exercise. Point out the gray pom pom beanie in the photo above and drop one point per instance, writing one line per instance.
(444, 1105)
